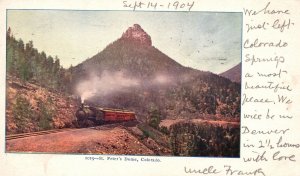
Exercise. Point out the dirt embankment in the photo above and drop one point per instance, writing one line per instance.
(107, 139)
(30, 107)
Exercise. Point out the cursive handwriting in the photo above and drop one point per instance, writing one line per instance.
(230, 171)
(284, 99)
(274, 74)
(281, 144)
(271, 59)
(277, 156)
(257, 158)
(251, 99)
(205, 171)
(268, 86)
(257, 44)
(265, 11)
(281, 25)
(246, 130)
(176, 5)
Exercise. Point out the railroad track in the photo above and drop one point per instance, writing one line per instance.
(24, 135)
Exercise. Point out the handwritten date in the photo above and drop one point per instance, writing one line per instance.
(176, 5)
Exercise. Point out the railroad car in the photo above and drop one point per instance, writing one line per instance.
(91, 115)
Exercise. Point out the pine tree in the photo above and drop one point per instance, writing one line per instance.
(25, 62)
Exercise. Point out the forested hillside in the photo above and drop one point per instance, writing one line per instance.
(37, 89)
(27, 63)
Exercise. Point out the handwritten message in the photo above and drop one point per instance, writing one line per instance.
(267, 93)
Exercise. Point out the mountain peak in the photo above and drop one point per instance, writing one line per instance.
(136, 33)
(234, 74)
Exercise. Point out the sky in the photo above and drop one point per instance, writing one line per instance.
(207, 41)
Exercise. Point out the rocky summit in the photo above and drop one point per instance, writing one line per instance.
(136, 33)
(162, 85)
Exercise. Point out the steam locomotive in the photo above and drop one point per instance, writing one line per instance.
(91, 116)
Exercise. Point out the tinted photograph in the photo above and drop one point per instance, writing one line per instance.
(123, 82)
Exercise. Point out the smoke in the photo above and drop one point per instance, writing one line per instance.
(162, 79)
(107, 83)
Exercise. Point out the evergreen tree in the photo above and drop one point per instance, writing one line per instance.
(25, 62)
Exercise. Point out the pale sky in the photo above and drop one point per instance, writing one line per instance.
(206, 41)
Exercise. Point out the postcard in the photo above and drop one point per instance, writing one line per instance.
(150, 87)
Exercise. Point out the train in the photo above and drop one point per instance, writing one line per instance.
(93, 115)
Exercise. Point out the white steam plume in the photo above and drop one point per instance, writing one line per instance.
(162, 79)
(107, 83)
